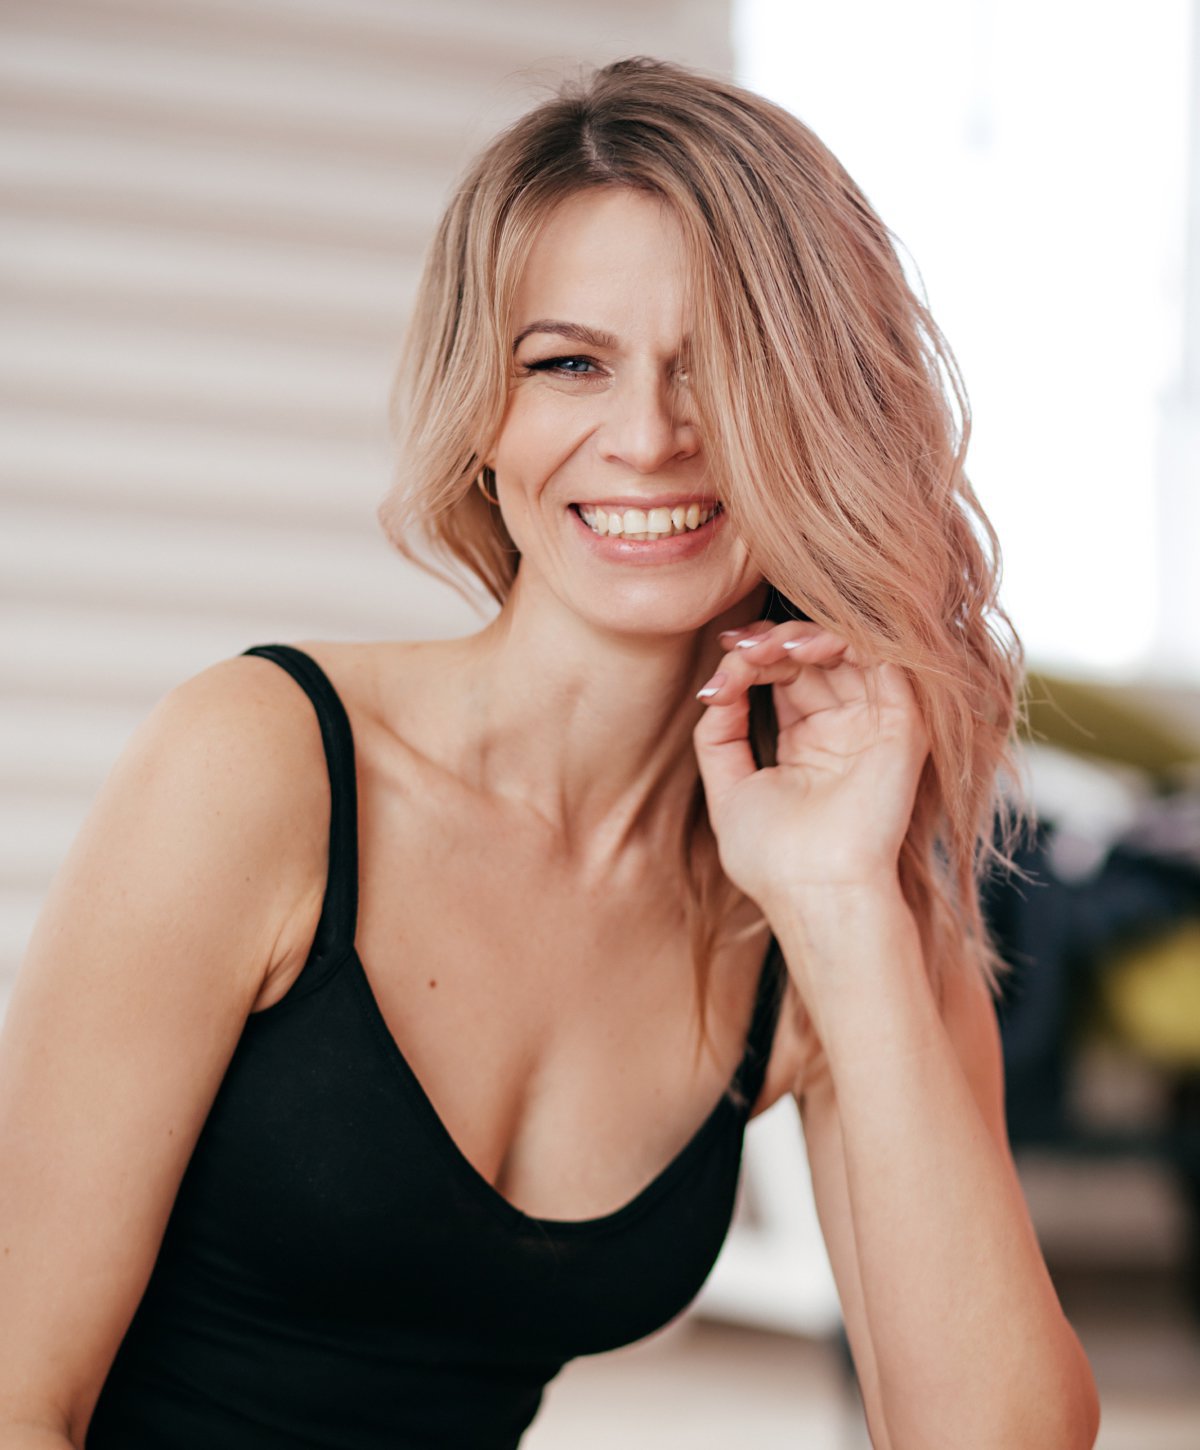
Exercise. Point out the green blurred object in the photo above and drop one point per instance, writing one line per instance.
(1151, 996)
(1150, 725)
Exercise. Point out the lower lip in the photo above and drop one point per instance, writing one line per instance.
(657, 551)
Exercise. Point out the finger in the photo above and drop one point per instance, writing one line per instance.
(776, 661)
(800, 691)
(722, 739)
(798, 637)
(832, 679)
(731, 637)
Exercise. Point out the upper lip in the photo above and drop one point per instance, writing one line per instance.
(668, 501)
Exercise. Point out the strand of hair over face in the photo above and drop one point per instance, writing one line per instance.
(834, 421)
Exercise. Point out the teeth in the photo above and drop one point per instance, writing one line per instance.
(643, 525)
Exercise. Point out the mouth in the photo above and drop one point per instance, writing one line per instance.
(648, 526)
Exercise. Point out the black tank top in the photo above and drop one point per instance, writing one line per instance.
(336, 1274)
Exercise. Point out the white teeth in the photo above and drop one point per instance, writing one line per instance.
(643, 525)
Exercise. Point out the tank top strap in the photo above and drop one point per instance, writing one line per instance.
(339, 910)
(772, 981)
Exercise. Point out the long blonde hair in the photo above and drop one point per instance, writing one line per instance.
(836, 441)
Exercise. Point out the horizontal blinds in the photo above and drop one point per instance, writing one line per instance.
(214, 215)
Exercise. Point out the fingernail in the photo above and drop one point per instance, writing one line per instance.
(794, 643)
(749, 643)
(712, 687)
(729, 633)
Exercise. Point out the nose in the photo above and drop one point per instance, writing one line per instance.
(646, 424)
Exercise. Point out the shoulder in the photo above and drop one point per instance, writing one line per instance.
(233, 756)
(240, 730)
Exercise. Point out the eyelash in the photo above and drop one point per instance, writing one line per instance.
(554, 365)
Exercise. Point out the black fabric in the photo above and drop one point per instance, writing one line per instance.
(335, 1273)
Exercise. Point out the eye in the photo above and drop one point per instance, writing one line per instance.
(568, 367)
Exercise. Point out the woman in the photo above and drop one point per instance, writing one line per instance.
(356, 1031)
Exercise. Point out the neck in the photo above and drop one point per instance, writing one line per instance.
(588, 729)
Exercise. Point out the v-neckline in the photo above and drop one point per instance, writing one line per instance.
(337, 932)
(487, 1192)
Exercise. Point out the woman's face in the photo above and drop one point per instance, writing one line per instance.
(600, 466)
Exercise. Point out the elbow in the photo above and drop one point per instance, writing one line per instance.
(1066, 1415)
(1084, 1402)
(1054, 1406)
(1087, 1419)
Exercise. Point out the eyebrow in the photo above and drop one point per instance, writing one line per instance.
(592, 336)
(578, 332)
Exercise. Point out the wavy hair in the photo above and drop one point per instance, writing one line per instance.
(837, 442)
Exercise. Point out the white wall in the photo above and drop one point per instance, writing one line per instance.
(216, 211)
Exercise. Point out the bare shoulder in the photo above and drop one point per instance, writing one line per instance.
(223, 783)
(151, 945)
(256, 717)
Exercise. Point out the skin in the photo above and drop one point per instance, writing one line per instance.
(546, 759)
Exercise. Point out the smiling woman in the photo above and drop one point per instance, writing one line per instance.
(389, 1036)
(718, 264)
(579, 427)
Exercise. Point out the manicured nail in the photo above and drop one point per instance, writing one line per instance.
(750, 643)
(729, 633)
(712, 687)
(794, 643)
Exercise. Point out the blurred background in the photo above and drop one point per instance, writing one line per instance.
(214, 215)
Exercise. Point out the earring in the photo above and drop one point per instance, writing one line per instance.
(483, 487)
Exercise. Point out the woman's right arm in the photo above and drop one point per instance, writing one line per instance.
(181, 894)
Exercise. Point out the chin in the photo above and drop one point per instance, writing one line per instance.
(648, 614)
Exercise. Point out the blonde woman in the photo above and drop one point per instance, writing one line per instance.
(389, 1034)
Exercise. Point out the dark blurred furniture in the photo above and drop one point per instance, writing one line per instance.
(1117, 949)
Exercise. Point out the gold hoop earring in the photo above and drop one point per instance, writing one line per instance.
(483, 487)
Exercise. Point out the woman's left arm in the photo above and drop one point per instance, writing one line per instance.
(955, 1327)
(957, 1331)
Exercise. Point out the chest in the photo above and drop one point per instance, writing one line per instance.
(548, 1018)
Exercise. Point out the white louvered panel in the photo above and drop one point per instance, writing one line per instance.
(299, 102)
(215, 216)
(182, 470)
(100, 270)
(77, 170)
(56, 652)
(48, 822)
(141, 561)
(18, 910)
(139, 363)
(462, 42)
(61, 745)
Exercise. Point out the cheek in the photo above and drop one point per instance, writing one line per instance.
(538, 435)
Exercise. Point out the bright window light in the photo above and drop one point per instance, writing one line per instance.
(1031, 159)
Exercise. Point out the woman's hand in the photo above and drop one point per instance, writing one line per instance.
(834, 811)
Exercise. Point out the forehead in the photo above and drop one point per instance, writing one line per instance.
(602, 257)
